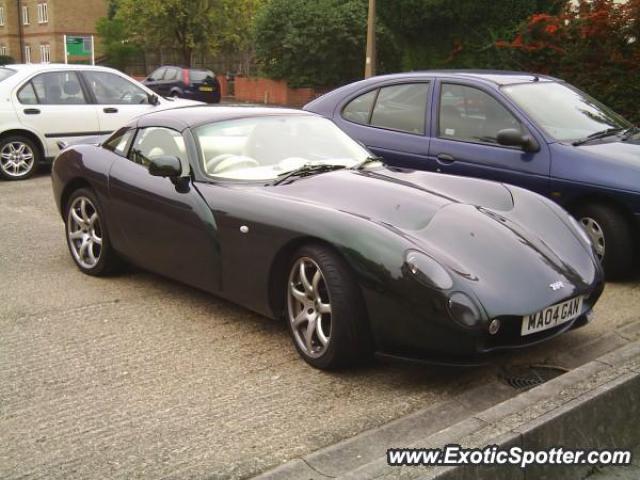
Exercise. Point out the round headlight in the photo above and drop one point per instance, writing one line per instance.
(428, 271)
(464, 310)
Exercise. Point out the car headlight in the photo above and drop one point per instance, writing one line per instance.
(464, 310)
(428, 271)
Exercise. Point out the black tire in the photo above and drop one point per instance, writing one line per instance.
(6, 169)
(107, 260)
(617, 236)
(350, 339)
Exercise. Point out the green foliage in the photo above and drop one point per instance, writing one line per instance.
(594, 46)
(188, 25)
(317, 43)
(455, 34)
(6, 60)
(117, 48)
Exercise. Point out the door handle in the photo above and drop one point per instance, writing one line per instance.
(445, 159)
(110, 110)
(31, 111)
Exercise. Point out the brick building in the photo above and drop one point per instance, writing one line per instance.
(32, 31)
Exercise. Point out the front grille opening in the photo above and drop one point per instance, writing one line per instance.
(525, 377)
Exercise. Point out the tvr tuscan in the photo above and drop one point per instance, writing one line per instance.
(282, 212)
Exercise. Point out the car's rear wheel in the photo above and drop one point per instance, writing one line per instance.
(325, 312)
(19, 157)
(87, 235)
(612, 238)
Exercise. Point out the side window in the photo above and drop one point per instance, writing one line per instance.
(157, 74)
(401, 107)
(55, 88)
(358, 110)
(172, 74)
(153, 142)
(27, 95)
(111, 89)
(469, 114)
(119, 141)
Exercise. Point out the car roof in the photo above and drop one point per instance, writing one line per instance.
(36, 67)
(498, 77)
(181, 118)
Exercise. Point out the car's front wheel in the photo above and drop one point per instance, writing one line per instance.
(87, 235)
(19, 157)
(325, 312)
(612, 238)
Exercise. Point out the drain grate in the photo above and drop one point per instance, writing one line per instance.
(524, 377)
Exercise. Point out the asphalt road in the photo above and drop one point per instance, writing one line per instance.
(136, 376)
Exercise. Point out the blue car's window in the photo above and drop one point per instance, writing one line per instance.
(401, 107)
(397, 107)
(563, 112)
(469, 114)
(358, 110)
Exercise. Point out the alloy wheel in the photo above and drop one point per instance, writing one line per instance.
(16, 159)
(84, 232)
(309, 307)
(596, 234)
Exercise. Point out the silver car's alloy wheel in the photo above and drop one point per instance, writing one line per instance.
(84, 232)
(16, 159)
(596, 234)
(309, 307)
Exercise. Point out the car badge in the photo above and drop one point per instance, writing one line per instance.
(556, 286)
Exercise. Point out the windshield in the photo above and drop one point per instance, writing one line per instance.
(200, 75)
(565, 113)
(263, 148)
(6, 73)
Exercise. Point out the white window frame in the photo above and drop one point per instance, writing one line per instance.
(45, 53)
(43, 13)
(27, 54)
(25, 15)
(2, 19)
(3, 50)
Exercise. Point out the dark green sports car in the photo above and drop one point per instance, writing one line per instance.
(282, 212)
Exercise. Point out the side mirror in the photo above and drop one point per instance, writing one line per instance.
(153, 99)
(512, 137)
(165, 166)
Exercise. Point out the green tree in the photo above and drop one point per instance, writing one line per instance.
(187, 25)
(318, 43)
(118, 49)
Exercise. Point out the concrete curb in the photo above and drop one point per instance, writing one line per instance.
(592, 406)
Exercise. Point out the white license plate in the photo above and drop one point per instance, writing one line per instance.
(552, 316)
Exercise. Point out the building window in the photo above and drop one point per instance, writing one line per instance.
(27, 54)
(3, 50)
(25, 15)
(43, 13)
(45, 53)
(1, 15)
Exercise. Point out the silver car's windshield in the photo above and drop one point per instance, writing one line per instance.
(267, 147)
(565, 113)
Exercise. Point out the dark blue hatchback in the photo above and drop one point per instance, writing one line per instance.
(534, 131)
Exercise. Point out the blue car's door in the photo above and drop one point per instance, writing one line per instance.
(466, 121)
(391, 120)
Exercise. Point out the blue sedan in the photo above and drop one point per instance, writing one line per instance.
(530, 130)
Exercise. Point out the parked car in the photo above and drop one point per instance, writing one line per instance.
(43, 104)
(534, 131)
(193, 83)
(282, 212)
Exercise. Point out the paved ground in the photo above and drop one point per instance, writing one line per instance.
(139, 377)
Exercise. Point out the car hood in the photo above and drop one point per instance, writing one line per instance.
(505, 244)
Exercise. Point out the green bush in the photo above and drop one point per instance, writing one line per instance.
(6, 60)
(318, 43)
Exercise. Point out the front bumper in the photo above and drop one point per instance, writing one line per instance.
(430, 336)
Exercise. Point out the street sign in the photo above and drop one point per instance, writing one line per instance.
(79, 49)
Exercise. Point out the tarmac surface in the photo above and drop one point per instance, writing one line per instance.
(136, 376)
